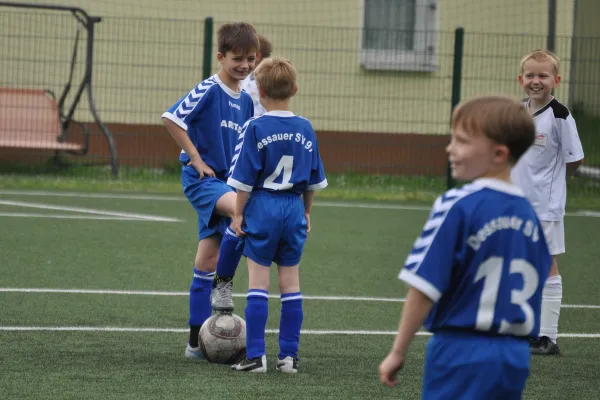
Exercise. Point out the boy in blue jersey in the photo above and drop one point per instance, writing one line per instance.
(477, 270)
(206, 124)
(276, 174)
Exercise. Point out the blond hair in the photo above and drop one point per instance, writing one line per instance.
(543, 55)
(502, 119)
(276, 78)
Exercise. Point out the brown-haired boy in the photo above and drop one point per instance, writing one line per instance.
(542, 172)
(476, 272)
(249, 84)
(206, 124)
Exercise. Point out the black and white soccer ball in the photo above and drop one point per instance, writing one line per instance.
(223, 338)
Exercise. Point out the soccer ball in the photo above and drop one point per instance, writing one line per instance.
(223, 338)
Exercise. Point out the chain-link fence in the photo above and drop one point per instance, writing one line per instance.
(378, 109)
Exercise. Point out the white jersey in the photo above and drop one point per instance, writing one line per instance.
(541, 171)
(249, 85)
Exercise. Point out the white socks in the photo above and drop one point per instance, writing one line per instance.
(551, 301)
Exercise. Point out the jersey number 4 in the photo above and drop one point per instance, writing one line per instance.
(491, 271)
(285, 164)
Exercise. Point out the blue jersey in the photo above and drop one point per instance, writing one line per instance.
(213, 116)
(483, 260)
(279, 152)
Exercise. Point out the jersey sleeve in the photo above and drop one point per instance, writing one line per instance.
(317, 179)
(428, 267)
(248, 164)
(189, 106)
(571, 145)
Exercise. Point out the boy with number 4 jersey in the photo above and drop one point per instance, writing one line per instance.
(276, 174)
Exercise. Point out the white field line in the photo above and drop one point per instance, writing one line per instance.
(124, 196)
(338, 204)
(61, 216)
(182, 330)
(143, 217)
(239, 295)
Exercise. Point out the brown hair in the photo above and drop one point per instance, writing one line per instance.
(276, 77)
(502, 119)
(236, 37)
(265, 47)
(543, 55)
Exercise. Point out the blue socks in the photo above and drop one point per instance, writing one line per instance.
(257, 312)
(200, 308)
(230, 254)
(290, 324)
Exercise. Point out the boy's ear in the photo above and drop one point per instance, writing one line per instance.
(520, 79)
(261, 93)
(295, 90)
(557, 79)
(220, 56)
(502, 154)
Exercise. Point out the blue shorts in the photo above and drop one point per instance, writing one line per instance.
(275, 228)
(204, 194)
(469, 366)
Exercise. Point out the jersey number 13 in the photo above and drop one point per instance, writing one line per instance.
(491, 272)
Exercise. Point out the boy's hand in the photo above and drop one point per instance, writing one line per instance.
(388, 370)
(236, 224)
(307, 216)
(202, 168)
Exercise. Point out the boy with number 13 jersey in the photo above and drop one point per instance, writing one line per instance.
(477, 270)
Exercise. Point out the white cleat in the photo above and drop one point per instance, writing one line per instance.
(288, 365)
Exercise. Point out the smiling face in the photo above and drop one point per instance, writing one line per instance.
(473, 155)
(236, 66)
(538, 78)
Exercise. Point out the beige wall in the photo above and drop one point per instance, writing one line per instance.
(143, 65)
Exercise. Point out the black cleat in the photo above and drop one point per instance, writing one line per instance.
(543, 346)
(258, 364)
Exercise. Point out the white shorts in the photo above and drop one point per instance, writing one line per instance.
(554, 231)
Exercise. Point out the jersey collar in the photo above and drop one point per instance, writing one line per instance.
(235, 95)
(279, 113)
(541, 110)
(500, 186)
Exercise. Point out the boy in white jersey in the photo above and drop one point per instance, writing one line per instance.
(542, 172)
(477, 271)
(249, 84)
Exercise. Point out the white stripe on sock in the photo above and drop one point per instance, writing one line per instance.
(298, 297)
(205, 277)
(257, 294)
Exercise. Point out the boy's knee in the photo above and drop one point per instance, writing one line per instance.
(206, 262)
(289, 281)
(226, 205)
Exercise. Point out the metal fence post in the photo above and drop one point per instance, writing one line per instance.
(456, 83)
(208, 38)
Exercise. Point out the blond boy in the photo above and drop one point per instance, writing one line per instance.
(542, 172)
(476, 272)
(276, 175)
